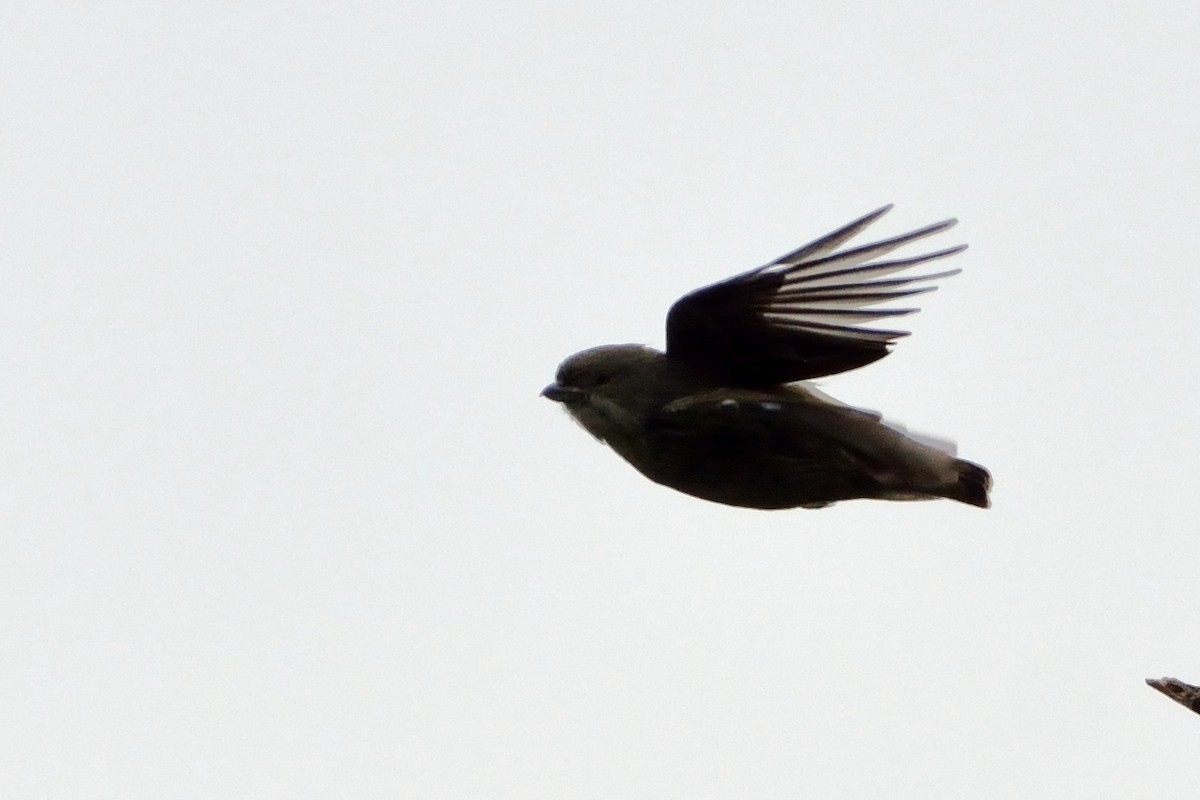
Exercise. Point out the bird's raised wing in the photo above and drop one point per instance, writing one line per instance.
(798, 317)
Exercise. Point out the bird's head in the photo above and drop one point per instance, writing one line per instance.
(610, 389)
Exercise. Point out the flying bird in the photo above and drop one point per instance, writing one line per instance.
(725, 414)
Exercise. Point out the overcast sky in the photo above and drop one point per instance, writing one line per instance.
(284, 516)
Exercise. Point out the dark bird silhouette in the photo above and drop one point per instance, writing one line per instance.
(721, 414)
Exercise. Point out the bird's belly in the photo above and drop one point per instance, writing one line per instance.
(748, 473)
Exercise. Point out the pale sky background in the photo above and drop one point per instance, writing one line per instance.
(284, 516)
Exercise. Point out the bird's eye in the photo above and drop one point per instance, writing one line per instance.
(602, 380)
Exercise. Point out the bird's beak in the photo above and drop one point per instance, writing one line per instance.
(562, 394)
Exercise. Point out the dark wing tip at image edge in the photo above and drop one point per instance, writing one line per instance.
(1183, 693)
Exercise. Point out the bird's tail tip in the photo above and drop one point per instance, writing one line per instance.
(974, 483)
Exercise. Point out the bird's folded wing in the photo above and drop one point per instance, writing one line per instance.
(800, 316)
(794, 424)
(715, 429)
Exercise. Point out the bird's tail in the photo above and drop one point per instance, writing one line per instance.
(973, 485)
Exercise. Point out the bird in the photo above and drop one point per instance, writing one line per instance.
(728, 412)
